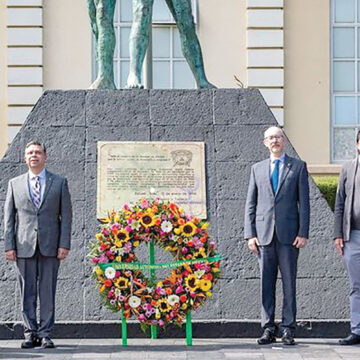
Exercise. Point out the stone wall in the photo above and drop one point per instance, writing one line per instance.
(231, 123)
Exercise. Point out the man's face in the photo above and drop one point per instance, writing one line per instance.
(274, 141)
(35, 158)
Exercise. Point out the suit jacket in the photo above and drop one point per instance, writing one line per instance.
(344, 200)
(287, 212)
(26, 225)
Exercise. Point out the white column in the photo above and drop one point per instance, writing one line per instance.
(24, 60)
(265, 52)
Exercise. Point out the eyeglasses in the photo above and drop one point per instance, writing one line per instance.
(274, 137)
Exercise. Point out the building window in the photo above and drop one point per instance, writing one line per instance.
(170, 69)
(345, 85)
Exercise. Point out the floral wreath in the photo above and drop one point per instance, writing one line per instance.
(122, 284)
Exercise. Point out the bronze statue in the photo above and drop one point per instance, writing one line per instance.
(101, 14)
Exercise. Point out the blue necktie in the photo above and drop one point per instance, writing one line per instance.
(275, 176)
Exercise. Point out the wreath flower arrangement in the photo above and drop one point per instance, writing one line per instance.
(122, 284)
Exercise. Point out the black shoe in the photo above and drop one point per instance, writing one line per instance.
(36, 341)
(31, 342)
(267, 337)
(352, 339)
(46, 343)
(287, 338)
(27, 343)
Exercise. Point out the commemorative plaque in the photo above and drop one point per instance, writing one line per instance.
(129, 171)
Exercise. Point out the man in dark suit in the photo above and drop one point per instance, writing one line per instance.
(277, 215)
(37, 222)
(347, 237)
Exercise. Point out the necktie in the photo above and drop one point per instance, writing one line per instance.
(275, 176)
(36, 192)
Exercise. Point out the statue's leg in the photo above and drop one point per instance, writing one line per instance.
(92, 16)
(105, 44)
(139, 40)
(181, 11)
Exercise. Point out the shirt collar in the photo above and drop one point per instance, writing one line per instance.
(42, 175)
(281, 158)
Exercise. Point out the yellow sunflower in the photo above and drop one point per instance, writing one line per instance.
(188, 229)
(192, 282)
(147, 220)
(123, 235)
(205, 285)
(121, 283)
(163, 305)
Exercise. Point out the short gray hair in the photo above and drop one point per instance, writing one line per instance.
(38, 143)
(274, 127)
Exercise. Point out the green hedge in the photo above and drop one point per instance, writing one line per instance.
(327, 185)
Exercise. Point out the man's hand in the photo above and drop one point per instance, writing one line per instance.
(300, 242)
(62, 253)
(10, 255)
(253, 244)
(339, 245)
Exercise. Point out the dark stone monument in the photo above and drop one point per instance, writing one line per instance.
(231, 123)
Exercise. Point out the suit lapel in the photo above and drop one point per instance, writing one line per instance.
(352, 172)
(25, 188)
(267, 175)
(285, 171)
(48, 182)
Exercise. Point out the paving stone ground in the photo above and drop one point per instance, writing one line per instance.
(175, 349)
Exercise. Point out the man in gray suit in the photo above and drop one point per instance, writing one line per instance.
(37, 236)
(277, 215)
(347, 237)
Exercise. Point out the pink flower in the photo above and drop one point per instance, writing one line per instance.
(160, 291)
(198, 266)
(95, 260)
(129, 221)
(109, 253)
(162, 233)
(179, 289)
(128, 228)
(141, 317)
(105, 232)
(126, 207)
(184, 250)
(171, 216)
(192, 294)
(161, 322)
(117, 273)
(147, 230)
(103, 259)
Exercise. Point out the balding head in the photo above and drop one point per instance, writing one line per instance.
(274, 140)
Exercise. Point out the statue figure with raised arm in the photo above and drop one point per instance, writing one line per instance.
(101, 14)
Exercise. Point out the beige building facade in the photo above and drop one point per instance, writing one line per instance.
(283, 47)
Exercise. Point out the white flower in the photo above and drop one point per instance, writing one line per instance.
(152, 190)
(166, 226)
(121, 251)
(173, 299)
(135, 225)
(117, 292)
(110, 272)
(134, 301)
(199, 273)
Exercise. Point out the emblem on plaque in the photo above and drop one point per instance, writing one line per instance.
(181, 157)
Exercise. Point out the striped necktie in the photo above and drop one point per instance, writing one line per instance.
(36, 192)
(275, 176)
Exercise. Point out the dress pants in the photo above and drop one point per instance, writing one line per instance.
(37, 277)
(352, 264)
(272, 257)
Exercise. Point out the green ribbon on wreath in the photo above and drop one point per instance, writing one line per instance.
(173, 264)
